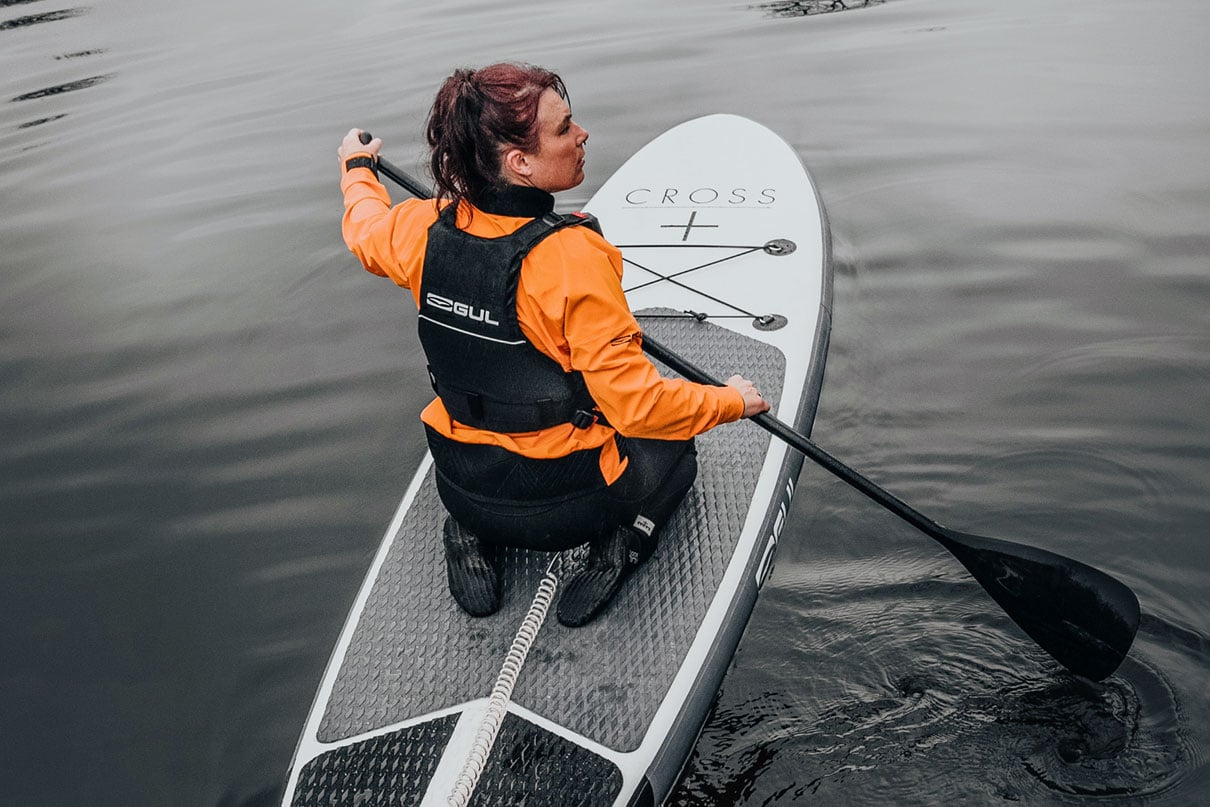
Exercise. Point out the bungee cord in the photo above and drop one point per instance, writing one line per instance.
(746, 251)
(502, 692)
(774, 247)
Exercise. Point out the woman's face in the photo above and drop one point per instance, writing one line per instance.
(558, 162)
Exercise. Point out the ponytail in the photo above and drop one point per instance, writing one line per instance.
(476, 115)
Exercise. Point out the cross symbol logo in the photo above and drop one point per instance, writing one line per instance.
(688, 226)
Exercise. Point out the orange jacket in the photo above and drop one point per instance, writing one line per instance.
(569, 305)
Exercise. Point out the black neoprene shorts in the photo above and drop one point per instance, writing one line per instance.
(555, 504)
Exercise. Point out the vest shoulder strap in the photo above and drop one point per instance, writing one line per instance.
(531, 233)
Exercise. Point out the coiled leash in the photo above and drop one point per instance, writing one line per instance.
(497, 704)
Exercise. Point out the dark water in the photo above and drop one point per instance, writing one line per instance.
(209, 412)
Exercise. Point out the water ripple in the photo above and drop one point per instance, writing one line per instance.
(1119, 738)
(901, 679)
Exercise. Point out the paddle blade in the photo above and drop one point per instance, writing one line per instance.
(1082, 617)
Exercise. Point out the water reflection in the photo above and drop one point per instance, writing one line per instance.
(59, 89)
(80, 54)
(39, 121)
(803, 8)
(35, 19)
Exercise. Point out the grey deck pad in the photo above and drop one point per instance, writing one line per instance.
(414, 652)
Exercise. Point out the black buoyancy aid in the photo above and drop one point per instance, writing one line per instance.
(487, 374)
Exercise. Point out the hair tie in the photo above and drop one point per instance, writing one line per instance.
(467, 79)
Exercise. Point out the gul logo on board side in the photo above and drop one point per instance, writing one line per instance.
(779, 522)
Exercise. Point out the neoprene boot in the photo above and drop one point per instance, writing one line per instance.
(472, 569)
(610, 561)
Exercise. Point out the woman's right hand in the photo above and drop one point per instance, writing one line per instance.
(753, 403)
(352, 145)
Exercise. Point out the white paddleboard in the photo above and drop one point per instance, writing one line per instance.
(727, 263)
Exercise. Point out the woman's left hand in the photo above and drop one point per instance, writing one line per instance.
(754, 404)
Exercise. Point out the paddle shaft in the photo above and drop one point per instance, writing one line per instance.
(396, 174)
(803, 444)
(406, 182)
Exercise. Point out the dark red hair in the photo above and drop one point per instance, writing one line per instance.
(477, 114)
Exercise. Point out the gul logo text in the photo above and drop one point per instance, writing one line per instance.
(779, 522)
(460, 308)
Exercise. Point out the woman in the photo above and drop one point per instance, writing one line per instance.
(550, 428)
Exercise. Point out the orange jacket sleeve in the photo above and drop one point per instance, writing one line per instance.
(366, 222)
(383, 238)
(603, 343)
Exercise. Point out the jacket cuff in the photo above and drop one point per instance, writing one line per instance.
(361, 160)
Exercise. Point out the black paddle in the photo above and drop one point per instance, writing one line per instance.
(1082, 617)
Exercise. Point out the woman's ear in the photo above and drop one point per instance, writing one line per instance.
(516, 163)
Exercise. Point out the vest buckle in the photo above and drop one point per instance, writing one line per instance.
(583, 418)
